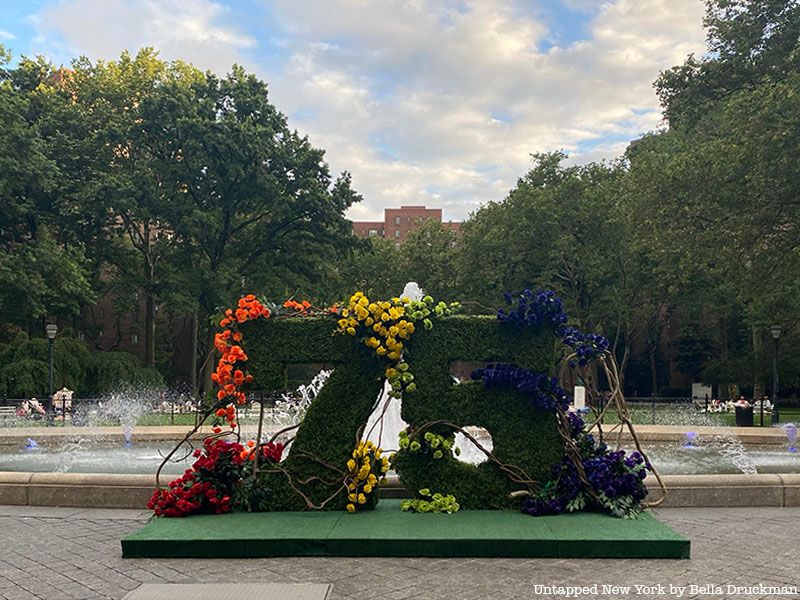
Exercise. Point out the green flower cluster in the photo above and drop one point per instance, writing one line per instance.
(431, 503)
(422, 310)
(438, 446)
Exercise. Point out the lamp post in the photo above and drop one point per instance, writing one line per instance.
(51, 329)
(775, 330)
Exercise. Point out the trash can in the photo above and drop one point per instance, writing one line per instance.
(744, 416)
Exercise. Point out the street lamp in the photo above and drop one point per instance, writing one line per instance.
(51, 329)
(775, 330)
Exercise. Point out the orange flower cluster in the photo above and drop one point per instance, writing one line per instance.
(229, 375)
(300, 307)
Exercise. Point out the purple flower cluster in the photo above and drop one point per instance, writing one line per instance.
(615, 477)
(529, 308)
(587, 346)
(544, 391)
(545, 308)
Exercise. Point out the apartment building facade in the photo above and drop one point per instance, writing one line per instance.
(399, 222)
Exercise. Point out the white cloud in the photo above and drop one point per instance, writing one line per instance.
(192, 30)
(424, 101)
(7, 35)
(453, 97)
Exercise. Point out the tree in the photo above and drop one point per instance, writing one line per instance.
(750, 42)
(43, 266)
(133, 157)
(254, 202)
(428, 257)
(568, 228)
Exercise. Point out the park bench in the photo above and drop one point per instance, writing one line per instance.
(7, 412)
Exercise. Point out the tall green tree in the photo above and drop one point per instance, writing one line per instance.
(253, 202)
(43, 266)
(132, 156)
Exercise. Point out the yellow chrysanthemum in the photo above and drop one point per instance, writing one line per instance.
(362, 499)
(351, 508)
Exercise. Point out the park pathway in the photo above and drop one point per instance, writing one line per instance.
(74, 553)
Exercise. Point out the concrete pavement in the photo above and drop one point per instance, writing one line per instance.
(73, 553)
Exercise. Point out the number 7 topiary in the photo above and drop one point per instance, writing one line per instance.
(525, 439)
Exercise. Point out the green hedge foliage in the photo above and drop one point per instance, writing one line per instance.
(522, 435)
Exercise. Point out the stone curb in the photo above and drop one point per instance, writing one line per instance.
(104, 490)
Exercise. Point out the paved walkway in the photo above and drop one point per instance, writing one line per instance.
(66, 553)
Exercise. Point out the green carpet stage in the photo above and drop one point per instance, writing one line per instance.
(387, 531)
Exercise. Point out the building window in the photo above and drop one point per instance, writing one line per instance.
(397, 233)
(373, 233)
(408, 219)
(397, 220)
(134, 338)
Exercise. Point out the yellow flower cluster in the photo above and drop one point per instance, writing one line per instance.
(365, 471)
(385, 319)
(384, 327)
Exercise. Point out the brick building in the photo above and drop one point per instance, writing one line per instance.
(399, 222)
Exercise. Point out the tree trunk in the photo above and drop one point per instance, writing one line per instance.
(653, 371)
(209, 364)
(193, 356)
(758, 386)
(150, 328)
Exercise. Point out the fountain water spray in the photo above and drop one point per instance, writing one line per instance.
(791, 436)
(128, 406)
(291, 408)
(733, 449)
(689, 439)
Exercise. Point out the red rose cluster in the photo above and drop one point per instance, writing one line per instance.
(206, 487)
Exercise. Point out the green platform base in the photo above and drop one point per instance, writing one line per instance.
(387, 531)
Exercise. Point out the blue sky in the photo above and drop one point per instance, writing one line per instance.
(437, 102)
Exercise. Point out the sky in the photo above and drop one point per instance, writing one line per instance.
(434, 102)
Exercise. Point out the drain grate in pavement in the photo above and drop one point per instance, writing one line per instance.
(230, 591)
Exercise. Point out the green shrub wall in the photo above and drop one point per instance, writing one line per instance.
(521, 435)
(329, 430)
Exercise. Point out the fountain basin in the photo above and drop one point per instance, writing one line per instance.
(104, 490)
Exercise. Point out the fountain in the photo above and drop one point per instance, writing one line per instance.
(127, 407)
(291, 408)
(791, 436)
(733, 449)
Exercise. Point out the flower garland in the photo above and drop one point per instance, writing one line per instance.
(611, 479)
(435, 445)
(386, 326)
(544, 307)
(544, 391)
(230, 374)
(365, 471)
